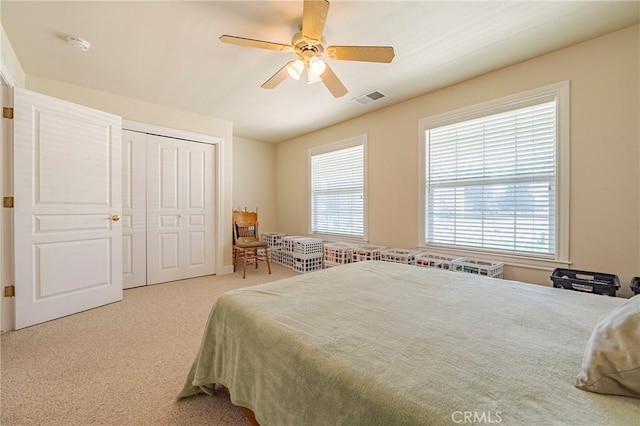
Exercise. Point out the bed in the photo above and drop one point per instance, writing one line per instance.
(377, 343)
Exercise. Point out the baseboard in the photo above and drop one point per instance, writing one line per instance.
(227, 269)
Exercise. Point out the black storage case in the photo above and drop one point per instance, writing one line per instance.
(591, 282)
(635, 285)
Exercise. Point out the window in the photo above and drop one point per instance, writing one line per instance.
(496, 177)
(337, 176)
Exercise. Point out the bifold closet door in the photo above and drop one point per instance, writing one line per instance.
(134, 209)
(180, 229)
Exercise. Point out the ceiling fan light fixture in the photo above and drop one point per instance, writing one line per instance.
(308, 46)
(317, 66)
(295, 69)
(311, 78)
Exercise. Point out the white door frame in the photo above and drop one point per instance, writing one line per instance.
(218, 190)
(7, 320)
(6, 215)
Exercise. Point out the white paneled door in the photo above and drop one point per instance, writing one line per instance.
(67, 191)
(179, 209)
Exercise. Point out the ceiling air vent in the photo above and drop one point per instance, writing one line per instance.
(369, 97)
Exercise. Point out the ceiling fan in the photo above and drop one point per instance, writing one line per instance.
(308, 46)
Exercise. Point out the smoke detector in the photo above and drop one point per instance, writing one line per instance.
(78, 43)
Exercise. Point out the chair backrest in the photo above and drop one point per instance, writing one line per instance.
(245, 226)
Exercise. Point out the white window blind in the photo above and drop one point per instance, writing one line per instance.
(491, 182)
(337, 191)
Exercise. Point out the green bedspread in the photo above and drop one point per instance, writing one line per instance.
(376, 343)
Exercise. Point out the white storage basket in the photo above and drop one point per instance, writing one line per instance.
(480, 267)
(360, 253)
(273, 239)
(302, 245)
(432, 260)
(396, 255)
(337, 253)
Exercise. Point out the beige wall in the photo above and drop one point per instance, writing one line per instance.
(254, 180)
(604, 74)
(145, 112)
(133, 109)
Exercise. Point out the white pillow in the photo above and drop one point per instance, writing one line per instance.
(611, 363)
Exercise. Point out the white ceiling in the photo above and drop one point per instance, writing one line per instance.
(168, 52)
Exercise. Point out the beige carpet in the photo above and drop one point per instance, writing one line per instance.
(121, 364)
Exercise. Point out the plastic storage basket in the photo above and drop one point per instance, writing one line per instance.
(337, 254)
(396, 255)
(298, 262)
(307, 263)
(276, 256)
(481, 267)
(432, 260)
(273, 239)
(587, 281)
(302, 245)
(360, 253)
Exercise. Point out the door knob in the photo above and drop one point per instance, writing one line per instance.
(115, 217)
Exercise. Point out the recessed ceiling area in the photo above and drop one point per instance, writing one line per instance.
(169, 52)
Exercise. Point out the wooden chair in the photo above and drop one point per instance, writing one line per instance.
(247, 246)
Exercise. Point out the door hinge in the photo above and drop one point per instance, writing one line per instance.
(7, 112)
(7, 202)
(10, 291)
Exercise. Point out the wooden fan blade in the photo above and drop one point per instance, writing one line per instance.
(277, 78)
(314, 15)
(333, 83)
(361, 53)
(248, 42)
